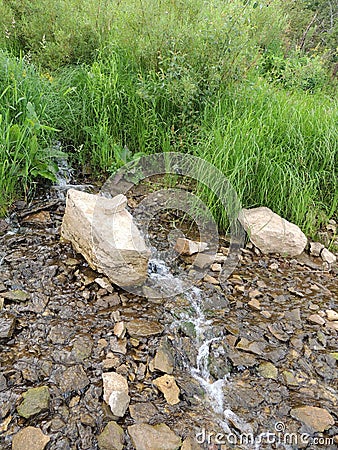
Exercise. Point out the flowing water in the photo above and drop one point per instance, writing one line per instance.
(219, 342)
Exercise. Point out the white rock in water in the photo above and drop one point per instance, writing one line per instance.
(103, 231)
(271, 233)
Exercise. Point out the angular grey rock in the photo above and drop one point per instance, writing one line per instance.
(158, 437)
(30, 438)
(163, 360)
(73, 379)
(103, 231)
(271, 233)
(3, 382)
(316, 248)
(7, 326)
(142, 412)
(328, 256)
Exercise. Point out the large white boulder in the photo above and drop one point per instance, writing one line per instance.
(271, 233)
(103, 231)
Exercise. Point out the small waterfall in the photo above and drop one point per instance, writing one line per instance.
(64, 177)
(160, 273)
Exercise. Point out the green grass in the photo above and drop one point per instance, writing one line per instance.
(213, 79)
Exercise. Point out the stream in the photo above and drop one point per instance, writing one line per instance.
(242, 367)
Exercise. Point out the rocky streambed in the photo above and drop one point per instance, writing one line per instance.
(270, 335)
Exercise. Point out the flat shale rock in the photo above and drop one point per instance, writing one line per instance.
(16, 295)
(144, 328)
(73, 379)
(111, 438)
(158, 437)
(35, 401)
(315, 419)
(30, 438)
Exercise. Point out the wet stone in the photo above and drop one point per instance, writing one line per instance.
(36, 400)
(73, 379)
(59, 334)
(158, 437)
(30, 438)
(252, 347)
(3, 382)
(163, 360)
(82, 348)
(7, 326)
(16, 295)
(111, 438)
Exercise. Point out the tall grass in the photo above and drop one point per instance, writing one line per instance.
(278, 149)
(26, 150)
(212, 79)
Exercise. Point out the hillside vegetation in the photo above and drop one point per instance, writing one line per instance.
(248, 85)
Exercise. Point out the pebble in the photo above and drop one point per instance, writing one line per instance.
(266, 314)
(331, 315)
(188, 247)
(111, 438)
(30, 438)
(209, 279)
(144, 328)
(157, 437)
(268, 370)
(255, 293)
(328, 256)
(316, 319)
(120, 330)
(216, 267)
(255, 304)
(35, 401)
